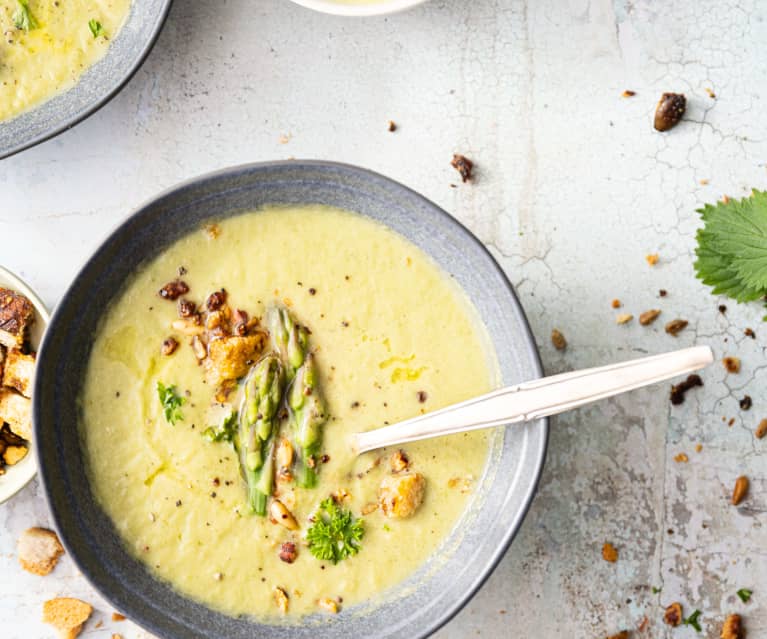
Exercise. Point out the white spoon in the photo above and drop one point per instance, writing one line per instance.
(538, 398)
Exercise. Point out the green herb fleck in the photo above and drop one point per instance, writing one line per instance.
(95, 27)
(745, 594)
(335, 535)
(732, 247)
(692, 620)
(171, 403)
(22, 17)
(656, 590)
(386, 528)
(223, 433)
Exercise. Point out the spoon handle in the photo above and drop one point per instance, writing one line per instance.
(538, 398)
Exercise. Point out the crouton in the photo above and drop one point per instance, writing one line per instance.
(12, 455)
(19, 371)
(401, 495)
(2, 360)
(16, 316)
(67, 615)
(39, 550)
(230, 358)
(17, 411)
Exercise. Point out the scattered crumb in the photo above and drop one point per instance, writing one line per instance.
(67, 615)
(673, 614)
(669, 111)
(749, 332)
(678, 390)
(391, 126)
(39, 550)
(624, 318)
(732, 364)
(740, 490)
(285, 138)
(648, 317)
(463, 165)
(711, 94)
(761, 429)
(698, 448)
(722, 309)
(609, 552)
(746, 402)
(558, 340)
(628, 93)
(116, 616)
(623, 634)
(703, 182)
(725, 199)
(116, 636)
(676, 326)
(212, 231)
(663, 292)
(616, 303)
(281, 599)
(328, 605)
(681, 458)
(732, 628)
(652, 259)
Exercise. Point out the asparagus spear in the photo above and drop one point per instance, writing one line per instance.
(289, 339)
(264, 387)
(307, 415)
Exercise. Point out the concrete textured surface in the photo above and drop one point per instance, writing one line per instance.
(573, 189)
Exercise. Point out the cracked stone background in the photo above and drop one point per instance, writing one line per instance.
(573, 189)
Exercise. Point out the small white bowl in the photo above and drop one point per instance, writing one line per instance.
(18, 476)
(381, 7)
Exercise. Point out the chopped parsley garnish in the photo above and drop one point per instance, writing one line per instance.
(22, 17)
(745, 594)
(692, 620)
(95, 27)
(656, 590)
(732, 247)
(171, 403)
(223, 433)
(335, 534)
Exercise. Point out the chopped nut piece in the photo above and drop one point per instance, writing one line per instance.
(732, 364)
(628, 93)
(288, 552)
(173, 290)
(663, 292)
(674, 327)
(740, 490)
(732, 628)
(186, 308)
(749, 332)
(169, 346)
(422, 396)
(200, 352)
(681, 457)
(216, 300)
(698, 448)
(673, 614)
(711, 94)
(463, 165)
(398, 461)
(67, 615)
(652, 259)
(616, 303)
(187, 327)
(212, 231)
(116, 616)
(746, 402)
(281, 515)
(761, 429)
(722, 309)
(329, 605)
(623, 634)
(609, 552)
(281, 599)
(284, 454)
(648, 317)
(559, 341)
(678, 390)
(39, 550)
(669, 111)
(624, 318)
(391, 126)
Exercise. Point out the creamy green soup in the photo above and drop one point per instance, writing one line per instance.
(393, 337)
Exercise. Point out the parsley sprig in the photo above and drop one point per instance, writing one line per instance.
(732, 247)
(96, 28)
(335, 534)
(171, 403)
(745, 594)
(692, 620)
(22, 17)
(225, 432)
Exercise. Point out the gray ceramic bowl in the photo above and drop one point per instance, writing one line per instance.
(96, 87)
(422, 603)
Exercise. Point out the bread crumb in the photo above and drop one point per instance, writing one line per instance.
(624, 318)
(628, 93)
(116, 616)
(698, 448)
(558, 340)
(39, 550)
(616, 303)
(652, 259)
(673, 614)
(681, 458)
(732, 364)
(391, 126)
(609, 552)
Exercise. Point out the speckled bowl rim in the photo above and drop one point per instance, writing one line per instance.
(20, 475)
(445, 614)
(383, 7)
(87, 111)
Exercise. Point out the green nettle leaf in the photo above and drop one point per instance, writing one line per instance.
(732, 247)
(22, 17)
(744, 594)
